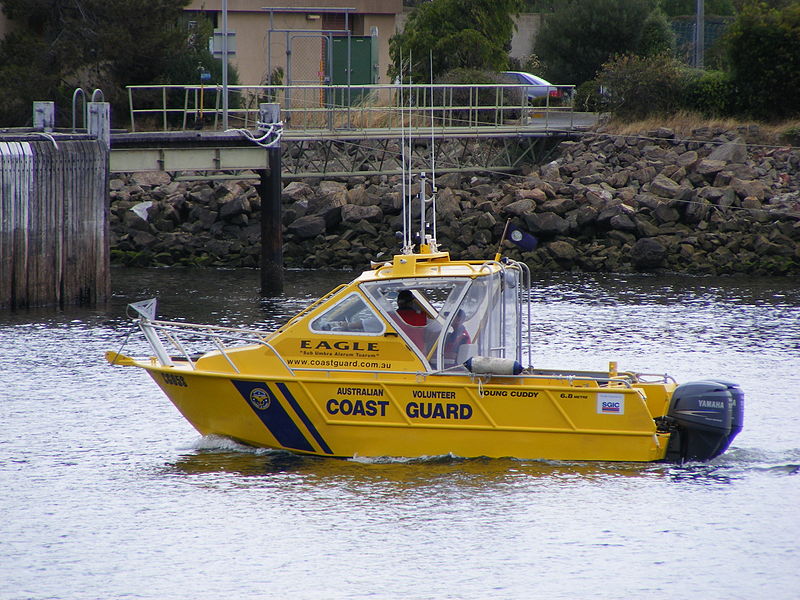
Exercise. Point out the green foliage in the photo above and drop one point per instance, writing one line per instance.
(104, 44)
(764, 55)
(710, 93)
(443, 35)
(588, 97)
(638, 87)
(657, 36)
(27, 73)
(791, 135)
(583, 34)
(480, 96)
(681, 8)
(539, 6)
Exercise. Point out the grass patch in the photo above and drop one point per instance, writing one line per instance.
(684, 123)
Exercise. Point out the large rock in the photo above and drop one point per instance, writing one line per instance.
(665, 187)
(648, 253)
(330, 194)
(560, 206)
(731, 152)
(697, 210)
(546, 223)
(151, 178)
(562, 251)
(352, 213)
(448, 205)
(307, 227)
(753, 188)
(520, 207)
(359, 196)
(236, 206)
(665, 213)
(688, 159)
(550, 171)
(297, 190)
(536, 194)
(622, 222)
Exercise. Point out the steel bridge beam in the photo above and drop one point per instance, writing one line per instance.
(330, 156)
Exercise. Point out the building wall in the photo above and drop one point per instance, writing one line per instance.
(259, 52)
(528, 26)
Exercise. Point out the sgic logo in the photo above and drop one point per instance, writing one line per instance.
(610, 404)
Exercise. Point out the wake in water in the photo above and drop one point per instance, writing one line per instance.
(217, 453)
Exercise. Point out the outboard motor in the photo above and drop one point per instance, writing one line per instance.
(703, 417)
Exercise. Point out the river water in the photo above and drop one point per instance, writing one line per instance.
(106, 492)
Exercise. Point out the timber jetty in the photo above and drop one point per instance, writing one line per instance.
(53, 226)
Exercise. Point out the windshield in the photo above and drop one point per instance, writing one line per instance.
(448, 320)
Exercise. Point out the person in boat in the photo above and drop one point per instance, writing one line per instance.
(412, 319)
(456, 338)
(409, 310)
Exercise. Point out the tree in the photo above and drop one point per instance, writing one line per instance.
(581, 35)
(764, 56)
(471, 34)
(657, 36)
(637, 87)
(103, 44)
(682, 8)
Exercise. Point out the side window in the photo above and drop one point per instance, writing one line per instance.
(351, 315)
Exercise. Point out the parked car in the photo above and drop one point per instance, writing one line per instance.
(539, 88)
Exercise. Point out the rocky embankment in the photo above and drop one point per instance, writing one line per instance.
(710, 204)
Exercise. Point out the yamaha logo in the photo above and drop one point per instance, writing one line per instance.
(259, 397)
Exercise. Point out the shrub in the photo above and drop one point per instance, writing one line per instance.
(764, 52)
(486, 96)
(637, 87)
(710, 93)
(791, 135)
(657, 36)
(581, 35)
(588, 97)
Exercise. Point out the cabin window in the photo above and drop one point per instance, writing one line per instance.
(420, 309)
(352, 315)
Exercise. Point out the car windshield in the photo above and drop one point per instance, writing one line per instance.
(532, 79)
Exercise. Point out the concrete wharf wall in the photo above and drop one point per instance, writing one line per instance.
(53, 221)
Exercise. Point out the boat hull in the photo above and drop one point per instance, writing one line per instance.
(345, 415)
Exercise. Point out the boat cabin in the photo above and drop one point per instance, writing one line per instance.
(441, 312)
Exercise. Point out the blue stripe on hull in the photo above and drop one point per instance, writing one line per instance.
(269, 409)
(303, 417)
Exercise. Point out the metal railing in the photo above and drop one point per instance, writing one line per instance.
(184, 337)
(416, 108)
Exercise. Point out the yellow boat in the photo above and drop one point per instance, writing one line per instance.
(422, 356)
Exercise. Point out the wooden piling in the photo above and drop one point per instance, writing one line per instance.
(53, 225)
(270, 190)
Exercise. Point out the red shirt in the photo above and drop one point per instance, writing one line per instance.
(412, 317)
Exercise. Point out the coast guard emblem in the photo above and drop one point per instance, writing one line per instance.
(260, 398)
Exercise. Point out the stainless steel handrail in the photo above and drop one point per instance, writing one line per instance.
(315, 107)
(215, 334)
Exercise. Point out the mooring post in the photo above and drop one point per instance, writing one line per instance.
(99, 124)
(270, 190)
(44, 118)
(271, 226)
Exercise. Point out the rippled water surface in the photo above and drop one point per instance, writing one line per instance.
(106, 492)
